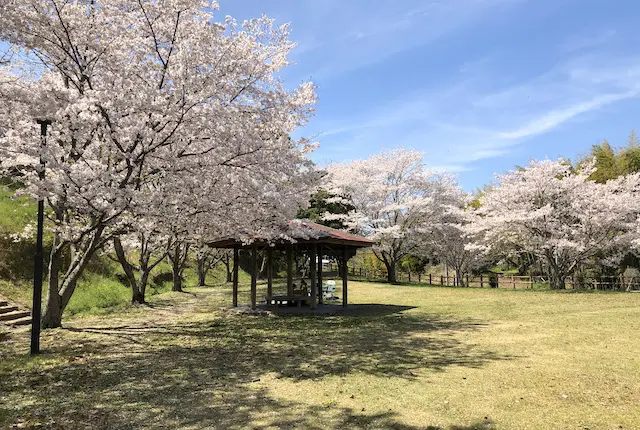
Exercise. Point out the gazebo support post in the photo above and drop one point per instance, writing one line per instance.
(320, 296)
(344, 276)
(254, 275)
(236, 265)
(269, 272)
(289, 270)
(314, 281)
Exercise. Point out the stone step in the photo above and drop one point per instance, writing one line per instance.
(7, 308)
(3, 303)
(20, 321)
(14, 315)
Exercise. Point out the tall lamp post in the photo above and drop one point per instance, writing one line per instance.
(36, 309)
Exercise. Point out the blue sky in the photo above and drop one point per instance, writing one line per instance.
(477, 85)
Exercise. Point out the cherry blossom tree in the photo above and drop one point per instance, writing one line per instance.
(554, 212)
(150, 250)
(227, 260)
(447, 239)
(208, 258)
(177, 256)
(141, 93)
(395, 200)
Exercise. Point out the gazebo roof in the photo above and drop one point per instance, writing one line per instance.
(303, 232)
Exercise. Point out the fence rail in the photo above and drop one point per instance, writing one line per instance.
(608, 283)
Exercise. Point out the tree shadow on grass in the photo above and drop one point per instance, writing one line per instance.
(373, 310)
(208, 374)
(308, 347)
(333, 309)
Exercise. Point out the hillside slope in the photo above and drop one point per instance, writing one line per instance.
(100, 290)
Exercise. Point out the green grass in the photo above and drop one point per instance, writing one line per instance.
(15, 213)
(408, 358)
(98, 292)
(19, 292)
(16, 257)
(101, 293)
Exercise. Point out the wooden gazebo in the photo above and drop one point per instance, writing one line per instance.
(318, 240)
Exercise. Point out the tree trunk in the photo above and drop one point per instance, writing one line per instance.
(459, 277)
(391, 272)
(263, 265)
(202, 273)
(339, 264)
(557, 280)
(226, 260)
(176, 273)
(177, 283)
(52, 317)
(59, 293)
(137, 296)
(178, 258)
(58, 299)
(556, 273)
(142, 286)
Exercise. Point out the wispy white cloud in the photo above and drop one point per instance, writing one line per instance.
(590, 40)
(464, 123)
(575, 87)
(352, 36)
(553, 119)
(450, 168)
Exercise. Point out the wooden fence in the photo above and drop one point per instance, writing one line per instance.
(482, 281)
(611, 283)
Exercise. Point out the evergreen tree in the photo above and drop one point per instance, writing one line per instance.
(319, 205)
(606, 164)
(630, 156)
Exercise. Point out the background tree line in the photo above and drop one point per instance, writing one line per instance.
(550, 218)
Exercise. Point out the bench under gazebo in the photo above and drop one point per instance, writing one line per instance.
(316, 240)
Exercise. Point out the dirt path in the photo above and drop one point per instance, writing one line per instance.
(168, 309)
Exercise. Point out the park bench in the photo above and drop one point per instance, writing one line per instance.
(280, 299)
(299, 296)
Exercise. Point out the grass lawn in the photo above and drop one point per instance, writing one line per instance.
(409, 358)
